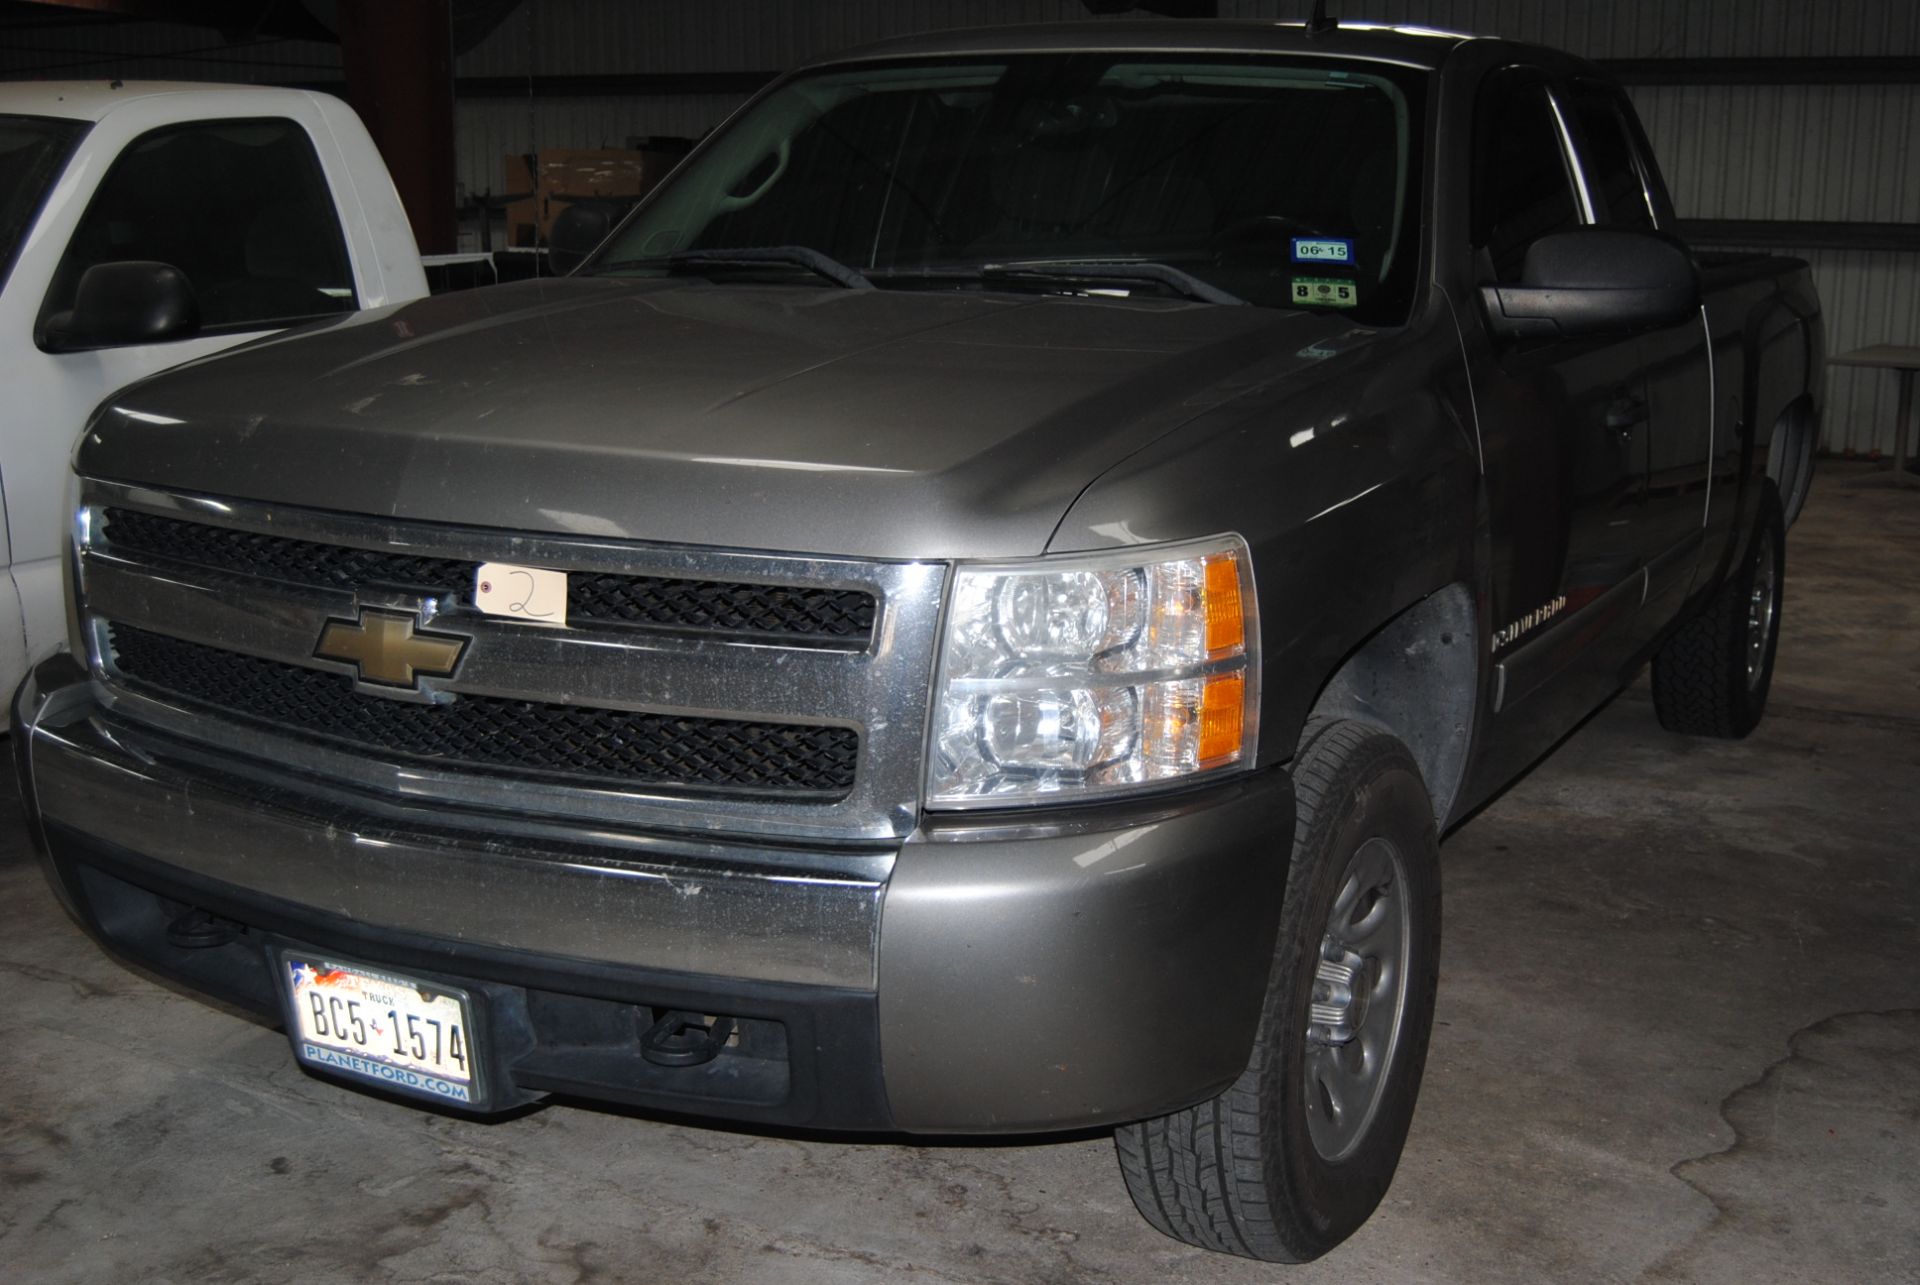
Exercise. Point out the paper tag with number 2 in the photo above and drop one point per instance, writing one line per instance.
(528, 593)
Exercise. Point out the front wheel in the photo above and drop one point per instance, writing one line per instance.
(1298, 1152)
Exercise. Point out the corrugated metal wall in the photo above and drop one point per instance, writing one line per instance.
(1867, 297)
(1825, 152)
(1812, 152)
(577, 37)
(1788, 152)
(591, 37)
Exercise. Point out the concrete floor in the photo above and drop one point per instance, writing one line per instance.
(1678, 1040)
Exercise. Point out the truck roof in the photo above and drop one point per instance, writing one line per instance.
(1424, 47)
(92, 100)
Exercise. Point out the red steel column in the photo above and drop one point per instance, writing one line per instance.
(398, 56)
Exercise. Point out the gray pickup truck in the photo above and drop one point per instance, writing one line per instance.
(967, 613)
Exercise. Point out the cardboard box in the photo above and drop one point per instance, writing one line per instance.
(544, 185)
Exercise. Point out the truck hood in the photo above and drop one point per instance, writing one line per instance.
(891, 424)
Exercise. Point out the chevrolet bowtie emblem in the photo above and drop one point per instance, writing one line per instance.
(383, 648)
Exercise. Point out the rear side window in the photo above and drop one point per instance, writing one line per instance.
(1521, 188)
(241, 207)
(1614, 176)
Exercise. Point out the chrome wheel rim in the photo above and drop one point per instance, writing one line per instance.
(1359, 999)
(1760, 610)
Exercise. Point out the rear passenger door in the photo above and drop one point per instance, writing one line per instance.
(1680, 429)
(1562, 421)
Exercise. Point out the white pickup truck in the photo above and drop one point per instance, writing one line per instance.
(147, 224)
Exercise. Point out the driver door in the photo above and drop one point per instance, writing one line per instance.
(1563, 425)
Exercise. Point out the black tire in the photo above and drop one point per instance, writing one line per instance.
(1712, 676)
(1247, 1173)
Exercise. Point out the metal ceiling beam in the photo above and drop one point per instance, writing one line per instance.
(1802, 234)
(1880, 70)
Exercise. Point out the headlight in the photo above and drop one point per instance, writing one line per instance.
(1088, 674)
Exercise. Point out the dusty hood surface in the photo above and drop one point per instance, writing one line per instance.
(867, 423)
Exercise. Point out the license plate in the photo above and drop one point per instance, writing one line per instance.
(397, 1032)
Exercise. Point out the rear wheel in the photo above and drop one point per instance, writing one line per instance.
(1296, 1154)
(1712, 676)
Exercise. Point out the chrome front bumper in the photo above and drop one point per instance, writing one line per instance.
(1026, 974)
(761, 914)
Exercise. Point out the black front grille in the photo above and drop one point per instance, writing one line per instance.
(574, 741)
(759, 610)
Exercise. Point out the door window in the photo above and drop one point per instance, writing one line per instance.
(241, 207)
(1522, 189)
(32, 152)
(1613, 172)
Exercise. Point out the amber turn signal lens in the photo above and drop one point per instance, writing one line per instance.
(1226, 628)
(1222, 709)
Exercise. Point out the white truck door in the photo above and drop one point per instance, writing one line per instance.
(242, 207)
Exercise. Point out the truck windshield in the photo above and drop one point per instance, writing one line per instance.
(32, 150)
(1281, 182)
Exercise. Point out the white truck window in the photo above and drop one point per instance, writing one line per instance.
(240, 206)
(32, 150)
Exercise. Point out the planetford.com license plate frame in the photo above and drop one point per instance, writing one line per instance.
(383, 1028)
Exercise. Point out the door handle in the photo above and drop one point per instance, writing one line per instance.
(1624, 414)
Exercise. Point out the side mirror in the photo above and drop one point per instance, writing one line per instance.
(135, 301)
(1594, 282)
(576, 234)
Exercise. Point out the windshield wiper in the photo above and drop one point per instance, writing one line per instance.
(797, 255)
(1111, 270)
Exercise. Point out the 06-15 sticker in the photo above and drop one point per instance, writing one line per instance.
(1322, 249)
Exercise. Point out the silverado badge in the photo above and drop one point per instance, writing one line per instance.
(384, 648)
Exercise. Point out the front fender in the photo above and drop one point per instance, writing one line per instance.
(1355, 491)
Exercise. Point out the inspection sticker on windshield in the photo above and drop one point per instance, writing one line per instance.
(1308, 249)
(1325, 292)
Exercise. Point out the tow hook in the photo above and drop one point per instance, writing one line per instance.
(197, 929)
(685, 1039)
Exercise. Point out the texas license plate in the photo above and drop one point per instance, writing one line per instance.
(397, 1032)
